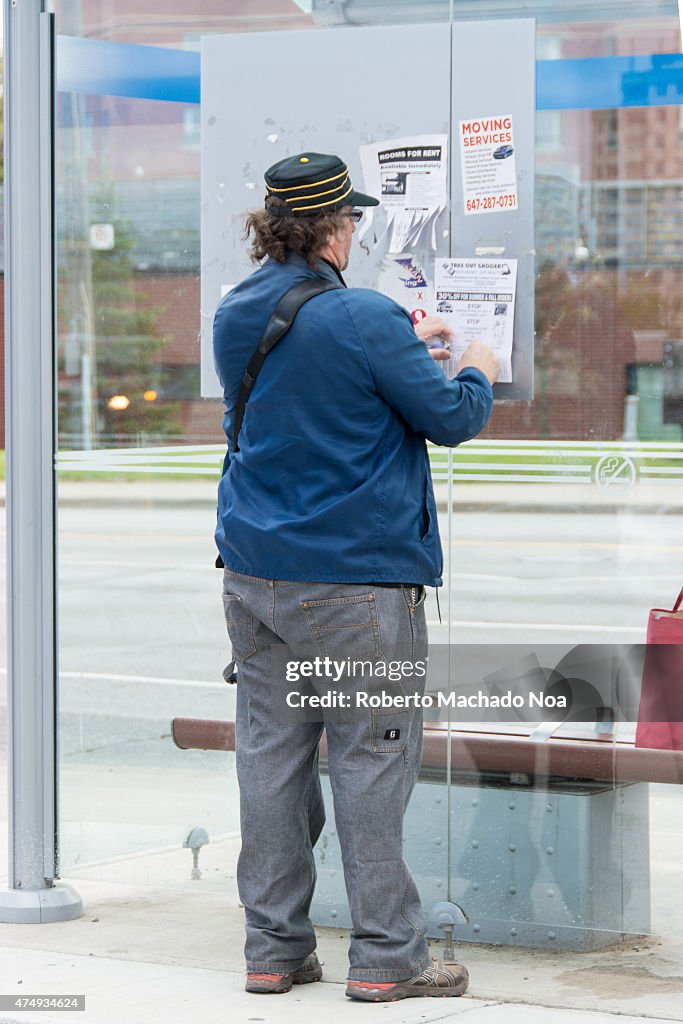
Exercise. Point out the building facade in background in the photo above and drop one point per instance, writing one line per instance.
(609, 244)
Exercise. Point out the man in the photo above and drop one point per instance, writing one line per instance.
(327, 530)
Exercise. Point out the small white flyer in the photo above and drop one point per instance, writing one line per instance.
(487, 155)
(410, 177)
(476, 298)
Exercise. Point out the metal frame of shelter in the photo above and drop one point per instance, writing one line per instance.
(32, 893)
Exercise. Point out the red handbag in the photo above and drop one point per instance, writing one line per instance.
(660, 715)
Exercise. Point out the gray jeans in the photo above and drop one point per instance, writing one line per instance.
(373, 765)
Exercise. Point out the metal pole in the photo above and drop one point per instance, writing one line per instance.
(31, 896)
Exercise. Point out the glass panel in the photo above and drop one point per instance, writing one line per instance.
(139, 456)
(565, 522)
(560, 522)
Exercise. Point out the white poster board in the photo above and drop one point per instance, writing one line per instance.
(405, 139)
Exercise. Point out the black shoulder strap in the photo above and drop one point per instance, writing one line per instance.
(278, 325)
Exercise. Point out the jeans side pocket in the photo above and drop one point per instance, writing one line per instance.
(240, 623)
(390, 730)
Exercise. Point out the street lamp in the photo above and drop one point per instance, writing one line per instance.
(118, 402)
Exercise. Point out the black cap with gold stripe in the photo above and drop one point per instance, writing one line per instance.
(310, 184)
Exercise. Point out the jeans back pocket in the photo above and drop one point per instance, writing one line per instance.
(345, 627)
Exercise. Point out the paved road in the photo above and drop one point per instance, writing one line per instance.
(141, 622)
(139, 599)
(139, 595)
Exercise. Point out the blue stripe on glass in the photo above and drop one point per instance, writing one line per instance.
(591, 83)
(102, 68)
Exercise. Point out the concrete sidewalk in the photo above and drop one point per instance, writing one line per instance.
(146, 993)
(154, 944)
(145, 954)
(660, 497)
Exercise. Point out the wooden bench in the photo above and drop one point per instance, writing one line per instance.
(599, 759)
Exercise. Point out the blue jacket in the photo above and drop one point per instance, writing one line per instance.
(331, 482)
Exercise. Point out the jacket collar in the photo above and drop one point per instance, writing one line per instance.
(321, 269)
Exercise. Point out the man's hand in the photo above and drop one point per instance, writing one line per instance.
(481, 357)
(432, 329)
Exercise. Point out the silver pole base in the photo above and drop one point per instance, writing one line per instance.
(39, 906)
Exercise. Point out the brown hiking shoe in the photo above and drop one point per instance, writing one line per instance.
(436, 980)
(309, 971)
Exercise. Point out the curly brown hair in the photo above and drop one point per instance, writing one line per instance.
(275, 236)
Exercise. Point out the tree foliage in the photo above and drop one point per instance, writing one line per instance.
(126, 345)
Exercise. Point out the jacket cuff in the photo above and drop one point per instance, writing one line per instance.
(475, 375)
